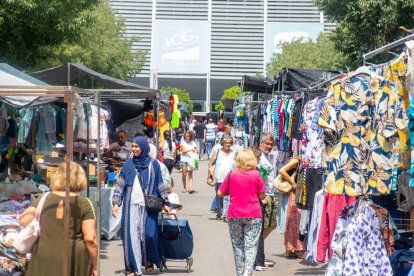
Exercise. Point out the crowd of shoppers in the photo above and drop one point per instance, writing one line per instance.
(244, 198)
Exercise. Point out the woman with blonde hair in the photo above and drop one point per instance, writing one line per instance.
(48, 252)
(245, 187)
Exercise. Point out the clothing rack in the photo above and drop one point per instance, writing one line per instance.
(385, 48)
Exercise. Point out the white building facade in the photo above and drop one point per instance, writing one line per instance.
(205, 46)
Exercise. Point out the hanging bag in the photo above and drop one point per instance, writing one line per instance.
(29, 235)
(282, 185)
(153, 203)
(212, 180)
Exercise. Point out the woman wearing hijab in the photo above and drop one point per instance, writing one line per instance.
(139, 176)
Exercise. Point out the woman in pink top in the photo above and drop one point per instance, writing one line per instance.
(245, 187)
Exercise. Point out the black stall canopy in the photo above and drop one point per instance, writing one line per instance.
(257, 84)
(115, 93)
(78, 75)
(291, 79)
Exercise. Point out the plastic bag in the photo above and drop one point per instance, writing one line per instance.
(193, 163)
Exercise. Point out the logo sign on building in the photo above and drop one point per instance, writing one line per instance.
(277, 33)
(180, 46)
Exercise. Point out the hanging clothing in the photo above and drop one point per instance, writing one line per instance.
(92, 112)
(4, 124)
(312, 139)
(387, 118)
(26, 115)
(80, 129)
(43, 146)
(332, 207)
(48, 115)
(345, 116)
(358, 245)
(104, 129)
(314, 227)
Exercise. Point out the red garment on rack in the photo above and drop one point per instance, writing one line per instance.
(332, 208)
(172, 101)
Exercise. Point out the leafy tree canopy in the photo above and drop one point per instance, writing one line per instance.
(305, 53)
(230, 93)
(37, 34)
(182, 94)
(364, 25)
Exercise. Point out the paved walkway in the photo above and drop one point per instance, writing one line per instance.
(213, 254)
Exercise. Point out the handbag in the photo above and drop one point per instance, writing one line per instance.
(212, 181)
(28, 236)
(282, 185)
(153, 203)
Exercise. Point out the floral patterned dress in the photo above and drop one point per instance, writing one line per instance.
(292, 242)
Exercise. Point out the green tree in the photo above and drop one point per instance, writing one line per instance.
(36, 34)
(102, 47)
(182, 94)
(305, 53)
(26, 26)
(233, 92)
(364, 25)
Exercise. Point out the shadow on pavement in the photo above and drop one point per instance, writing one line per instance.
(311, 269)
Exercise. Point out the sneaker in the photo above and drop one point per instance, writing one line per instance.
(269, 263)
(261, 268)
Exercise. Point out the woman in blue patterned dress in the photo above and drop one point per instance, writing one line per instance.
(140, 175)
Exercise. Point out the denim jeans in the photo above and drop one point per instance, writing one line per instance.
(214, 204)
(219, 201)
(209, 145)
(200, 146)
(226, 203)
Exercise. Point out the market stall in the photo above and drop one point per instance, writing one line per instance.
(72, 100)
(353, 133)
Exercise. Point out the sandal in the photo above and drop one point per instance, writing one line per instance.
(301, 254)
(191, 191)
(149, 268)
(183, 190)
(291, 255)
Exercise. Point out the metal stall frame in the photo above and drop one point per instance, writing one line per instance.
(67, 93)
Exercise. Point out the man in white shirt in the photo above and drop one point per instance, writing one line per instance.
(210, 136)
(268, 172)
(121, 148)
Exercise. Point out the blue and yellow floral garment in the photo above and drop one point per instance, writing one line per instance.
(387, 118)
(345, 120)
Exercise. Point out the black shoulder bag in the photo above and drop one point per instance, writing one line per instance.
(153, 203)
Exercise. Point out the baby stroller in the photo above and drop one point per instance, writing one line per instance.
(176, 241)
